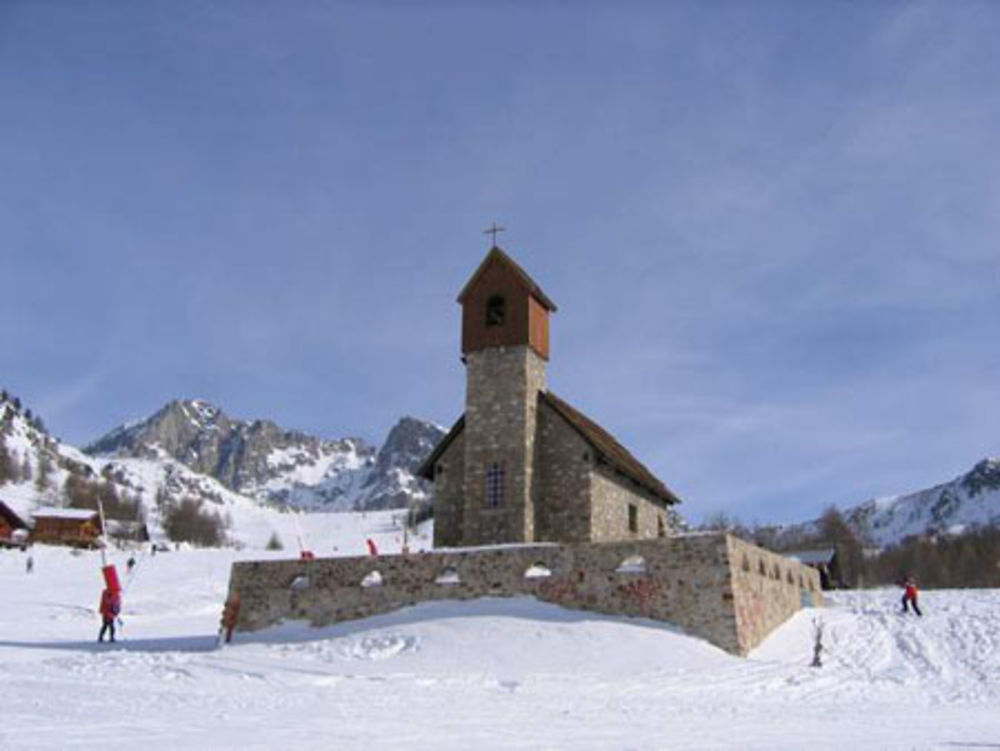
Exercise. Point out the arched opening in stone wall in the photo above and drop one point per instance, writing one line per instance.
(746, 563)
(777, 572)
(537, 571)
(789, 578)
(372, 579)
(634, 564)
(448, 576)
(761, 568)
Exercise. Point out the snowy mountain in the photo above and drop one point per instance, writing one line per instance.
(43, 468)
(288, 468)
(276, 470)
(970, 499)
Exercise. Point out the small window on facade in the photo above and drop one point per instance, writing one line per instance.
(633, 518)
(661, 528)
(496, 311)
(439, 469)
(494, 485)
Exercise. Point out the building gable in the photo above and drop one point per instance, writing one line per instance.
(609, 450)
(426, 470)
(503, 307)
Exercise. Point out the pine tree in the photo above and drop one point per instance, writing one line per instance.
(44, 470)
(835, 530)
(6, 465)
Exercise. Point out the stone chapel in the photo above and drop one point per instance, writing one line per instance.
(521, 465)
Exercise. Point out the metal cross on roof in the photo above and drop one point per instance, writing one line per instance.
(493, 231)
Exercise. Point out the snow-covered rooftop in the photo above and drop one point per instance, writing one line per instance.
(52, 512)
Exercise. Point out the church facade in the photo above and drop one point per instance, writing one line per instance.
(522, 465)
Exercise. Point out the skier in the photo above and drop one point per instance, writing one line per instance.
(29, 565)
(110, 607)
(910, 595)
(130, 564)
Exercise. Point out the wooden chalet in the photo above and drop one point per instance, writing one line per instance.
(66, 526)
(10, 523)
(127, 530)
(825, 561)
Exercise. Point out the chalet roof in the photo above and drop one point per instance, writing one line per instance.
(10, 516)
(813, 557)
(497, 255)
(609, 449)
(601, 441)
(51, 512)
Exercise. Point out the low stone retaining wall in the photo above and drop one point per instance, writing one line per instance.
(714, 586)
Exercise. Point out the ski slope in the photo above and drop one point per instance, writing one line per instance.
(488, 674)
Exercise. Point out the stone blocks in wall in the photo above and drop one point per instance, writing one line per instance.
(449, 494)
(697, 582)
(562, 480)
(502, 384)
(611, 495)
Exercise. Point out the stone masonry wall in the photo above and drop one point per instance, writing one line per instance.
(611, 494)
(562, 480)
(768, 588)
(449, 493)
(502, 384)
(690, 581)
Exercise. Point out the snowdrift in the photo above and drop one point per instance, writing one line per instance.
(488, 673)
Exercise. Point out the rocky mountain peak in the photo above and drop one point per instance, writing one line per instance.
(985, 476)
(409, 442)
(264, 461)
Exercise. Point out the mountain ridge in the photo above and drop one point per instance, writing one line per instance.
(261, 460)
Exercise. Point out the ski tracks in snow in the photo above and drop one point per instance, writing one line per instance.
(951, 654)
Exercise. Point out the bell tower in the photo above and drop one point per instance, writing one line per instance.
(505, 346)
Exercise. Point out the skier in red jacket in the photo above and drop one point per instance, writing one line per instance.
(110, 607)
(910, 595)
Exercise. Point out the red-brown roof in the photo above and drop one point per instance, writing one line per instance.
(12, 519)
(497, 255)
(601, 441)
(609, 449)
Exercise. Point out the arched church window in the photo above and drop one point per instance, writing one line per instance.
(496, 311)
(494, 485)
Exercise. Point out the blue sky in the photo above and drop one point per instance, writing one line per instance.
(772, 229)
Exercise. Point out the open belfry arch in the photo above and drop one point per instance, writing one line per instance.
(521, 464)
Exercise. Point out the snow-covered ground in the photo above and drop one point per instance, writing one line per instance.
(488, 674)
